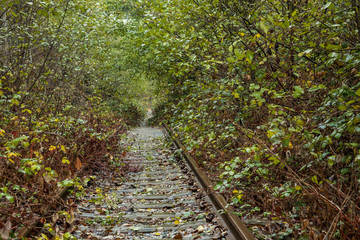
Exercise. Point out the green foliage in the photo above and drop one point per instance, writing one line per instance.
(64, 99)
(267, 91)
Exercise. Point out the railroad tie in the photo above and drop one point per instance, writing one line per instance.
(159, 199)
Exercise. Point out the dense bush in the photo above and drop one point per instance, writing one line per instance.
(64, 101)
(266, 95)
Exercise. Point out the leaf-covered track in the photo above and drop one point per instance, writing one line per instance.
(159, 200)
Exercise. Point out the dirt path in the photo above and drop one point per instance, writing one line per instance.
(159, 200)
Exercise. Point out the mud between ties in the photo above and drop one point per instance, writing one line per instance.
(159, 200)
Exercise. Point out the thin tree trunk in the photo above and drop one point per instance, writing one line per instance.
(356, 7)
(5, 47)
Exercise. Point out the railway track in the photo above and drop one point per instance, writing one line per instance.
(164, 197)
(236, 228)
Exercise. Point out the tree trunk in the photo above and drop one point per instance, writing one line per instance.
(356, 7)
(5, 47)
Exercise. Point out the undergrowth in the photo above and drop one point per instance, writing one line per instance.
(40, 155)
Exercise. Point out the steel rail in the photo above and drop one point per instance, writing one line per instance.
(237, 229)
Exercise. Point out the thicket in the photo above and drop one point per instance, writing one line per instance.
(65, 101)
(266, 96)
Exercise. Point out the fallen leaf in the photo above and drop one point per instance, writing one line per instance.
(135, 228)
(200, 228)
(178, 236)
(78, 164)
(42, 220)
(55, 217)
(70, 217)
(5, 231)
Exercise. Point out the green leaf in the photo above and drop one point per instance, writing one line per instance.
(333, 47)
(326, 5)
(342, 108)
(298, 91)
(10, 198)
(331, 160)
(274, 159)
(358, 92)
(315, 88)
(306, 52)
(230, 59)
(240, 55)
(312, 44)
(253, 86)
(314, 179)
(249, 56)
(264, 27)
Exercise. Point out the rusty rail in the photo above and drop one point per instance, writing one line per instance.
(237, 229)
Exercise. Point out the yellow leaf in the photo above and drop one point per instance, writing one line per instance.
(236, 95)
(43, 237)
(15, 101)
(52, 148)
(65, 160)
(270, 133)
(157, 234)
(2, 132)
(27, 110)
(235, 191)
(63, 148)
(12, 154)
(298, 188)
(314, 179)
(177, 222)
(34, 167)
(290, 145)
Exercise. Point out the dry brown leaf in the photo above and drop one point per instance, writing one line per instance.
(71, 217)
(5, 231)
(178, 236)
(78, 164)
